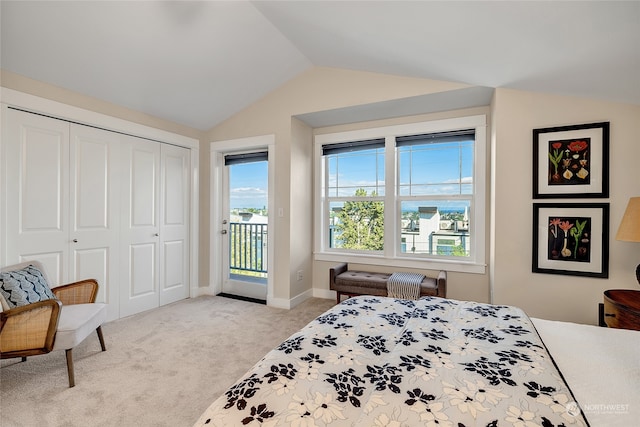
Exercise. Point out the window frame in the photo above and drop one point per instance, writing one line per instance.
(392, 255)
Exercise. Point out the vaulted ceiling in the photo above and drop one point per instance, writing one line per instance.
(198, 63)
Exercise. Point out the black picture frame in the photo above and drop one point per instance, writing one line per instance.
(571, 161)
(571, 239)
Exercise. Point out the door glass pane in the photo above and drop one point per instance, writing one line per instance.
(248, 220)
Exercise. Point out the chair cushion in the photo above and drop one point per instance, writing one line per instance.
(24, 286)
(76, 322)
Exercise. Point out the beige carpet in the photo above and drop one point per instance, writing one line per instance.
(161, 368)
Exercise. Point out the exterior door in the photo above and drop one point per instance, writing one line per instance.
(244, 225)
(174, 223)
(94, 220)
(36, 186)
(140, 227)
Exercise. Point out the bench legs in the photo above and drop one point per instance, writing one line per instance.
(348, 295)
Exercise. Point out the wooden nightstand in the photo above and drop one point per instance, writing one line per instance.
(622, 308)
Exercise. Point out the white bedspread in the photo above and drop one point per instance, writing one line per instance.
(602, 367)
(376, 361)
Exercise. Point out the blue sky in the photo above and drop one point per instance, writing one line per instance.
(430, 169)
(434, 171)
(248, 183)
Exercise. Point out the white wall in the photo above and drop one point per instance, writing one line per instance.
(318, 89)
(560, 297)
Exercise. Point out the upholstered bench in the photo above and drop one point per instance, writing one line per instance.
(354, 282)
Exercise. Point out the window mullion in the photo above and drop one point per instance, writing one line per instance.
(391, 215)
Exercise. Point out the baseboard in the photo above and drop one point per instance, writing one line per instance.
(324, 293)
(200, 291)
(288, 304)
(284, 303)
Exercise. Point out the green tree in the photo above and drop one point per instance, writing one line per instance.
(459, 251)
(361, 223)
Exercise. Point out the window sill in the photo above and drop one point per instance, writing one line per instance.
(423, 264)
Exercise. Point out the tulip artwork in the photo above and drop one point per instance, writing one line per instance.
(568, 239)
(569, 162)
(571, 238)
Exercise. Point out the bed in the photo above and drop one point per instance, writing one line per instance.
(377, 361)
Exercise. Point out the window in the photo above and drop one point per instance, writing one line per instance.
(403, 194)
(354, 190)
(435, 191)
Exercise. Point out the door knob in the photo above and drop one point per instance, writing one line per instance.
(223, 232)
(75, 240)
(156, 234)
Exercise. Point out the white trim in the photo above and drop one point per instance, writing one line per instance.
(288, 304)
(324, 293)
(195, 223)
(35, 104)
(215, 244)
(419, 264)
(477, 264)
(39, 105)
(321, 215)
(390, 197)
(402, 130)
(216, 158)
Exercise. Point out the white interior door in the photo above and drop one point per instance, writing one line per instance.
(36, 185)
(140, 227)
(174, 223)
(94, 198)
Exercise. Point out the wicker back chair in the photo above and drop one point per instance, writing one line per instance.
(52, 324)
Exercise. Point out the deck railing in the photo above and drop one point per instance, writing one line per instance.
(248, 247)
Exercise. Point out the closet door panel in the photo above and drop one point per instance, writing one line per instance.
(36, 164)
(140, 226)
(142, 271)
(96, 263)
(42, 177)
(95, 201)
(174, 224)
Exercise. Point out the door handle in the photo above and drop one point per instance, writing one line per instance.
(223, 232)
(75, 240)
(156, 234)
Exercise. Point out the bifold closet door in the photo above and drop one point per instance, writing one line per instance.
(140, 226)
(90, 203)
(174, 223)
(94, 214)
(36, 187)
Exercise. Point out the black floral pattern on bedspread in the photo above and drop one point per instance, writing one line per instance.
(373, 361)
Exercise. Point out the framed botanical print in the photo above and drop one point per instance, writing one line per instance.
(571, 239)
(571, 161)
